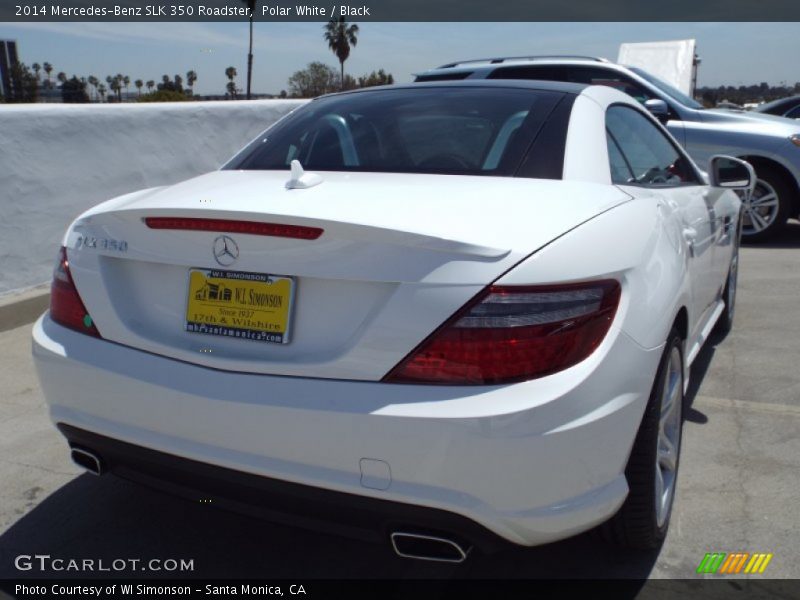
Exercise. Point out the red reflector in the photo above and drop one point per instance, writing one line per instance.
(66, 306)
(226, 226)
(511, 334)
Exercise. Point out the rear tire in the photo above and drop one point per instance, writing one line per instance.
(766, 212)
(652, 469)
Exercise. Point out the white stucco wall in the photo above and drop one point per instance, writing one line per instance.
(58, 160)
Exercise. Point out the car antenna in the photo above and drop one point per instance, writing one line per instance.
(300, 180)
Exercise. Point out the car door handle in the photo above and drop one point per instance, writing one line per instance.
(727, 230)
(727, 223)
(690, 235)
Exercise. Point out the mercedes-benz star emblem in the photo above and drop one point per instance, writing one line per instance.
(226, 251)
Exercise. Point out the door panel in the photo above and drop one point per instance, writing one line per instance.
(642, 157)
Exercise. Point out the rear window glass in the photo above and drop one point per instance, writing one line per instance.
(460, 130)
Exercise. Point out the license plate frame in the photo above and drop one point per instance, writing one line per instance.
(222, 307)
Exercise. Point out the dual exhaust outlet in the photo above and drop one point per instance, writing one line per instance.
(428, 547)
(405, 544)
(87, 460)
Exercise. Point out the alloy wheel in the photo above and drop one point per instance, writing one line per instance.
(669, 436)
(760, 208)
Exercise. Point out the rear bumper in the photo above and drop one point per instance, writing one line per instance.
(317, 509)
(530, 462)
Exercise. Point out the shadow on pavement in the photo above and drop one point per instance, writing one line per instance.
(699, 368)
(110, 518)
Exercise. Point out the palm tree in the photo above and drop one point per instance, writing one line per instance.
(150, 85)
(191, 77)
(61, 77)
(94, 82)
(231, 74)
(251, 4)
(340, 36)
(115, 85)
(127, 81)
(48, 68)
(139, 83)
(101, 89)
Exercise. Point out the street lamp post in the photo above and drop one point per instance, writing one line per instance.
(252, 6)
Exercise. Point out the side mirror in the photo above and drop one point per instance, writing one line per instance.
(731, 173)
(658, 108)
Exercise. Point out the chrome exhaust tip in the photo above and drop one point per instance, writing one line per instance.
(87, 460)
(428, 547)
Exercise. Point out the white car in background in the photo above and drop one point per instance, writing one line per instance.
(449, 314)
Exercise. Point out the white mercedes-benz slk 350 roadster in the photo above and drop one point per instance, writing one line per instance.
(449, 315)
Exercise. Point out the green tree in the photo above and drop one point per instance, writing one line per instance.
(73, 91)
(170, 85)
(379, 77)
(340, 36)
(138, 83)
(231, 74)
(101, 89)
(24, 85)
(61, 77)
(316, 79)
(36, 69)
(349, 83)
(120, 78)
(127, 82)
(94, 82)
(115, 85)
(48, 68)
(150, 85)
(191, 77)
(164, 95)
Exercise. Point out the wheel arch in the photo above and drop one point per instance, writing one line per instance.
(681, 323)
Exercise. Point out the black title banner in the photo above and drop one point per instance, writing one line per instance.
(398, 10)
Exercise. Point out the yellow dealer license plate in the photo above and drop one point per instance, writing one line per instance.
(250, 306)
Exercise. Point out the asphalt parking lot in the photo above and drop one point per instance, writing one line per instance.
(738, 482)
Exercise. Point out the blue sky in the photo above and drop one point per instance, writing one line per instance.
(732, 53)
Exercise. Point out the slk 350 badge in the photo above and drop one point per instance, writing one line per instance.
(88, 241)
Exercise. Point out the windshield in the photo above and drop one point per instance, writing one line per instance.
(670, 91)
(460, 130)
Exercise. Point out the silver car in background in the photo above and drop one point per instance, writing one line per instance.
(770, 144)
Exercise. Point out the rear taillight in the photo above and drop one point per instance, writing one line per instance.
(514, 333)
(66, 306)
